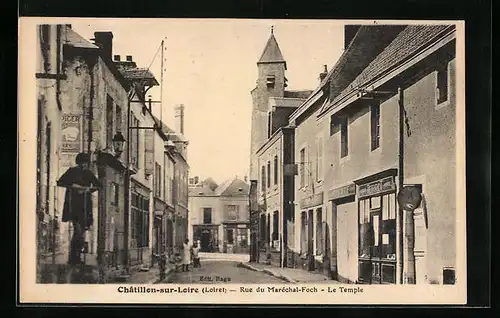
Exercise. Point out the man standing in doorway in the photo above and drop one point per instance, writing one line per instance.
(79, 182)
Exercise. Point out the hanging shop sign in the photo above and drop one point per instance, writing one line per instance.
(409, 197)
(71, 133)
(313, 200)
(342, 192)
(377, 187)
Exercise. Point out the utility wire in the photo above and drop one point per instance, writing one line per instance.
(147, 70)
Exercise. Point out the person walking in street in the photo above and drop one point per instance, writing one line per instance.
(79, 182)
(186, 256)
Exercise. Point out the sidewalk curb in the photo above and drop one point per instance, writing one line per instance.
(156, 280)
(247, 266)
(268, 272)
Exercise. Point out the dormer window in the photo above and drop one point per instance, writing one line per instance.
(270, 81)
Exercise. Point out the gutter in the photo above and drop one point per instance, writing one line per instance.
(58, 67)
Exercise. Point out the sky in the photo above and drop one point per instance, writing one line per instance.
(210, 67)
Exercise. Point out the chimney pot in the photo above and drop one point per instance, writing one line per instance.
(179, 118)
(117, 58)
(323, 74)
(129, 58)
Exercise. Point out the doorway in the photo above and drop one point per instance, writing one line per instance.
(310, 240)
(205, 241)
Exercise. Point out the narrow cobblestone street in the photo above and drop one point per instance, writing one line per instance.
(220, 272)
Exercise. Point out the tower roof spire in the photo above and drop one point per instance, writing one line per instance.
(272, 52)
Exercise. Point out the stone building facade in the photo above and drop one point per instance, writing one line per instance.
(381, 119)
(51, 241)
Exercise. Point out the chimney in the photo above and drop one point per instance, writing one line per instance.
(117, 58)
(179, 118)
(129, 58)
(349, 33)
(196, 179)
(323, 74)
(105, 41)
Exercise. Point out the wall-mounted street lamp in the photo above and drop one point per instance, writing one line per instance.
(118, 141)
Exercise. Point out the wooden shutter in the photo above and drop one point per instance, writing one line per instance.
(149, 162)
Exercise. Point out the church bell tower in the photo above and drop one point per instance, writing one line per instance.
(271, 82)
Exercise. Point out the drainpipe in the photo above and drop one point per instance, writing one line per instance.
(126, 202)
(406, 218)
(91, 112)
(58, 67)
(400, 236)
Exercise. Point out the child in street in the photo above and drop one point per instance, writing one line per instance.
(195, 256)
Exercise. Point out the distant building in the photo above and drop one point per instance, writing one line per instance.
(219, 215)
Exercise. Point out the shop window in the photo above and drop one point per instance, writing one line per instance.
(242, 237)
(377, 238)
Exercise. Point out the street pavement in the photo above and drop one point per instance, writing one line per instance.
(221, 271)
(224, 257)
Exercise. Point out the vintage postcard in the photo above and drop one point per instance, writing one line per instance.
(225, 161)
